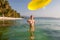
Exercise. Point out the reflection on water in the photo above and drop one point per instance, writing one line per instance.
(6, 22)
(19, 30)
(32, 36)
(3, 30)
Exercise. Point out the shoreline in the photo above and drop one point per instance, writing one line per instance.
(9, 18)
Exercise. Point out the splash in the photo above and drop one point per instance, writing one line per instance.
(37, 4)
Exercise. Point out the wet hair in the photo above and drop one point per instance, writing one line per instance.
(31, 16)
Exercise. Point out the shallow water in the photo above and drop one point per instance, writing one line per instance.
(44, 30)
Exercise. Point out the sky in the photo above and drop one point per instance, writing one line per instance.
(51, 10)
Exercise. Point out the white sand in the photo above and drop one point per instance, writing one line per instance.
(9, 18)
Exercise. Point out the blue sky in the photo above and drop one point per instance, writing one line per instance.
(51, 10)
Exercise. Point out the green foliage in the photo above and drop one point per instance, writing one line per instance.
(6, 10)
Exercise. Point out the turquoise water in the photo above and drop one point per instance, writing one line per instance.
(44, 30)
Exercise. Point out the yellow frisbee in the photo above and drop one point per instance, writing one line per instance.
(37, 4)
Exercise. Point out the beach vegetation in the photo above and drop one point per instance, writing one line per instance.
(7, 11)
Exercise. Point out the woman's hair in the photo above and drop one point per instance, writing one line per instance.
(31, 16)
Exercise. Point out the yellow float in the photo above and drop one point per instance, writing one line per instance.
(37, 4)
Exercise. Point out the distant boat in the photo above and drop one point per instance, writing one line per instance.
(9, 18)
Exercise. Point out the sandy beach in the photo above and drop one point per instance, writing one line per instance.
(9, 18)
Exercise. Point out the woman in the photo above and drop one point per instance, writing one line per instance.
(31, 22)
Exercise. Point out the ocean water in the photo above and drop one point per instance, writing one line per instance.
(45, 29)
